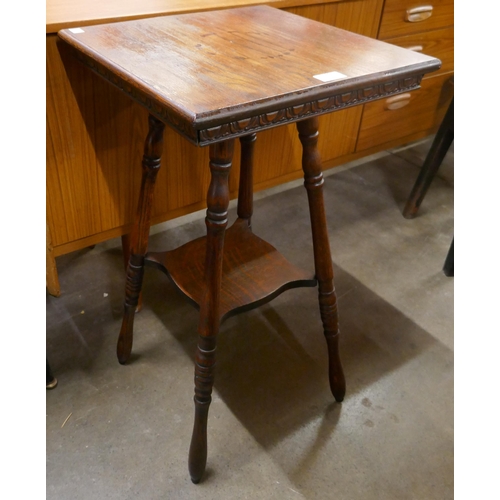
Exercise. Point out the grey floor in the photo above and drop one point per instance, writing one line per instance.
(275, 432)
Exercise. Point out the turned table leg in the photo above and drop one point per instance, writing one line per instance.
(245, 190)
(221, 155)
(151, 160)
(126, 259)
(313, 176)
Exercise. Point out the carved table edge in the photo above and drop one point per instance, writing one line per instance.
(294, 113)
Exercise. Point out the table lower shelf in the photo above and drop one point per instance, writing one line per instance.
(253, 271)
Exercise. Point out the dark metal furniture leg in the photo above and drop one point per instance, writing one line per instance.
(433, 160)
(448, 267)
(50, 380)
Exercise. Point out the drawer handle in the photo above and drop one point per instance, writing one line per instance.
(416, 48)
(398, 101)
(418, 14)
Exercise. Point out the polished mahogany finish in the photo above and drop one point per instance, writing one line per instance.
(215, 77)
(254, 272)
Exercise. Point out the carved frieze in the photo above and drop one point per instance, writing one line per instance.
(302, 111)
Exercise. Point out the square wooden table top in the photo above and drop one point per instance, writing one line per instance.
(221, 74)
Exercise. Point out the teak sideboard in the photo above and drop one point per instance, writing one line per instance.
(94, 133)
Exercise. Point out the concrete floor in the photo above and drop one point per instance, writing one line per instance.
(275, 431)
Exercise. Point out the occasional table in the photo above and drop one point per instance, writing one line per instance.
(214, 77)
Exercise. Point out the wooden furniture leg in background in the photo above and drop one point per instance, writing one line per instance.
(221, 155)
(151, 161)
(313, 181)
(51, 277)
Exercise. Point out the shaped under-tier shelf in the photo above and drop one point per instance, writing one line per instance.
(253, 271)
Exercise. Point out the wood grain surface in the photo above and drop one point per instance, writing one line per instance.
(199, 71)
(254, 272)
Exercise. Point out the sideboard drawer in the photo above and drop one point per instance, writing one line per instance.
(404, 17)
(401, 116)
(438, 43)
